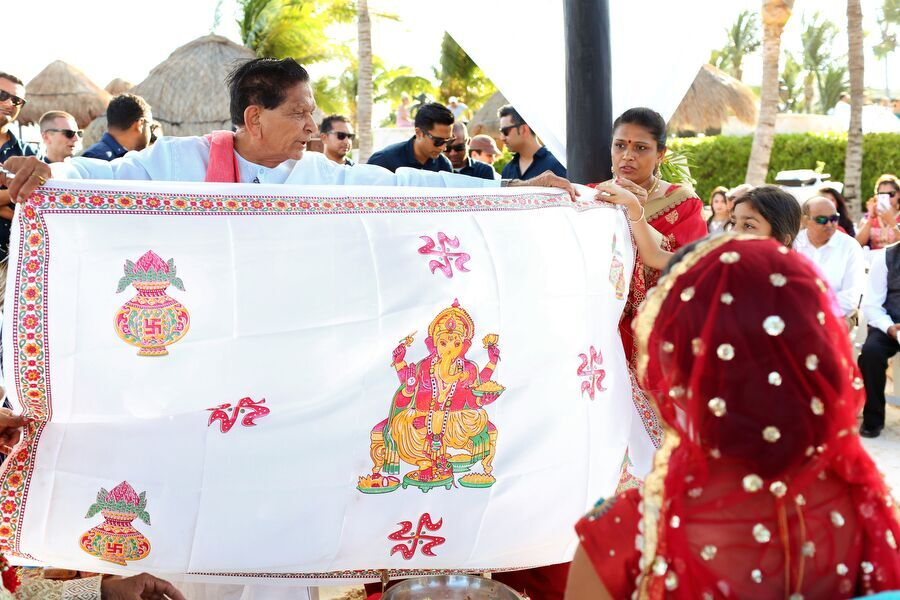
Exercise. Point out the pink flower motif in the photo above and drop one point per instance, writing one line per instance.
(32, 375)
(256, 204)
(32, 266)
(125, 492)
(304, 204)
(153, 202)
(206, 203)
(349, 205)
(96, 200)
(151, 261)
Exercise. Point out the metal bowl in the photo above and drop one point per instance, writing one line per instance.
(450, 587)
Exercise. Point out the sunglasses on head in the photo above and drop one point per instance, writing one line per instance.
(457, 148)
(69, 133)
(16, 101)
(505, 130)
(341, 135)
(823, 220)
(439, 141)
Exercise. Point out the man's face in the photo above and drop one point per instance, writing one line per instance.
(9, 112)
(513, 135)
(457, 152)
(821, 209)
(431, 143)
(59, 145)
(333, 141)
(485, 157)
(287, 128)
(146, 131)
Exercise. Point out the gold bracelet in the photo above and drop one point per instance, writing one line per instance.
(640, 218)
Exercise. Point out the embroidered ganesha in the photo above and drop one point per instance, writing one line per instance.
(437, 422)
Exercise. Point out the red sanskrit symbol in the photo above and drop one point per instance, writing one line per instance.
(428, 541)
(254, 411)
(450, 258)
(590, 368)
(152, 326)
(114, 548)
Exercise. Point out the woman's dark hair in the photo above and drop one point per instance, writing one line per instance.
(844, 221)
(262, 82)
(780, 209)
(647, 118)
(432, 114)
(719, 190)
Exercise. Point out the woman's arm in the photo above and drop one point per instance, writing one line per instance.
(584, 583)
(651, 254)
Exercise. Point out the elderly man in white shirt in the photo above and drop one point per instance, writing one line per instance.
(838, 256)
(272, 105)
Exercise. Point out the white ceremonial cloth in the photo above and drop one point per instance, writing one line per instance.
(186, 159)
(298, 296)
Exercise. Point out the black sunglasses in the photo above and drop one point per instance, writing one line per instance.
(69, 133)
(439, 141)
(341, 135)
(505, 130)
(16, 101)
(823, 220)
(456, 148)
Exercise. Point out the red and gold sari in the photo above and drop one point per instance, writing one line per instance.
(762, 488)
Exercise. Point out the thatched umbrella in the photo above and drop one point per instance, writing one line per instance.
(486, 120)
(187, 90)
(710, 98)
(118, 86)
(61, 86)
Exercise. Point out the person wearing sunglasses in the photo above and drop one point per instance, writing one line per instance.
(12, 99)
(61, 136)
(531, 158)
(337, 138)
(458, 155)
(838, 256)
(434, 131)
(129, 123)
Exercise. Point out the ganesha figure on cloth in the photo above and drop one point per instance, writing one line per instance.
(437, 422)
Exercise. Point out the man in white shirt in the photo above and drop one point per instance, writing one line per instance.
(272, 106)
(838, 256)
(881, 307)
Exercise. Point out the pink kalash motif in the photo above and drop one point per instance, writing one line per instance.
(115, 540)
(427, 540)
(151, 320)
(246, 408)
(449, 258)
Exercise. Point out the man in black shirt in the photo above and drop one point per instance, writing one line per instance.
(458, 155)
(12, 99)
(434, 126)
(531, 157)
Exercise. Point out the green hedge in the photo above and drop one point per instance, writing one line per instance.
(722, 160)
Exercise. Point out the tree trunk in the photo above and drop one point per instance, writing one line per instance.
(856, 62)
(364, 89)
(808, 92)
(775, 14)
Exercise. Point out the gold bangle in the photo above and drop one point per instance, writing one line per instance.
(640, 218)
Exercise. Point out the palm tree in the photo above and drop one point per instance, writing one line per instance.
(832, 84)
(775, 14)
(292, 28)
(743, 39)
(817, 38)
(856, 63)
(460, 76)
(364, 84)
(888, 19)
(790, 86)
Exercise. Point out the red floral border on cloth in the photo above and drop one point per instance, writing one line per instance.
(31, 364)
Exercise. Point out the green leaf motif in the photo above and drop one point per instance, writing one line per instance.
(178, 283)
(129, 267)
(171, 264)
(101, 496)
(93, 510)
(144, 516)
(123, 283)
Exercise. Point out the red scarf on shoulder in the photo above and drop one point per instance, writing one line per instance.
(223, 164)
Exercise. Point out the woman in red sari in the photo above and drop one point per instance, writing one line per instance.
(673, 210)
(762, 488)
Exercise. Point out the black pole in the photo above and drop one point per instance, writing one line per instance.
(588, 90)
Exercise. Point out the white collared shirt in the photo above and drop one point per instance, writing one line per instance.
(841, 263)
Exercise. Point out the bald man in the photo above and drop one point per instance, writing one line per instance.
(838, 256)
(458, 155)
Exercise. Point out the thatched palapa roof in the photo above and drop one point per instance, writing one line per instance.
(118, 86)
(60, 86)
(187, 90)
(710, 98)
(486, 120)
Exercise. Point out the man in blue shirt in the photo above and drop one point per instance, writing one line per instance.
(12, 99)
(458, 155)
(434, 130)
(129, 123)
(531, 158)
(337, 139)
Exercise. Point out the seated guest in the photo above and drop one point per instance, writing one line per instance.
(337, 138)
(838, 256)
(60, 135)
(845, 224)
(434, 130)
(129, 122)
(720, 216)
(881, 307)
(483, 147)
(760, 489)
(531, 157)
(878, 228)
(457, 154)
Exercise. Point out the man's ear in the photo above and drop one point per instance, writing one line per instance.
(252, 116)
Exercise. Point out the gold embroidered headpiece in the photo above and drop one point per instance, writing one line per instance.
(451, 319)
